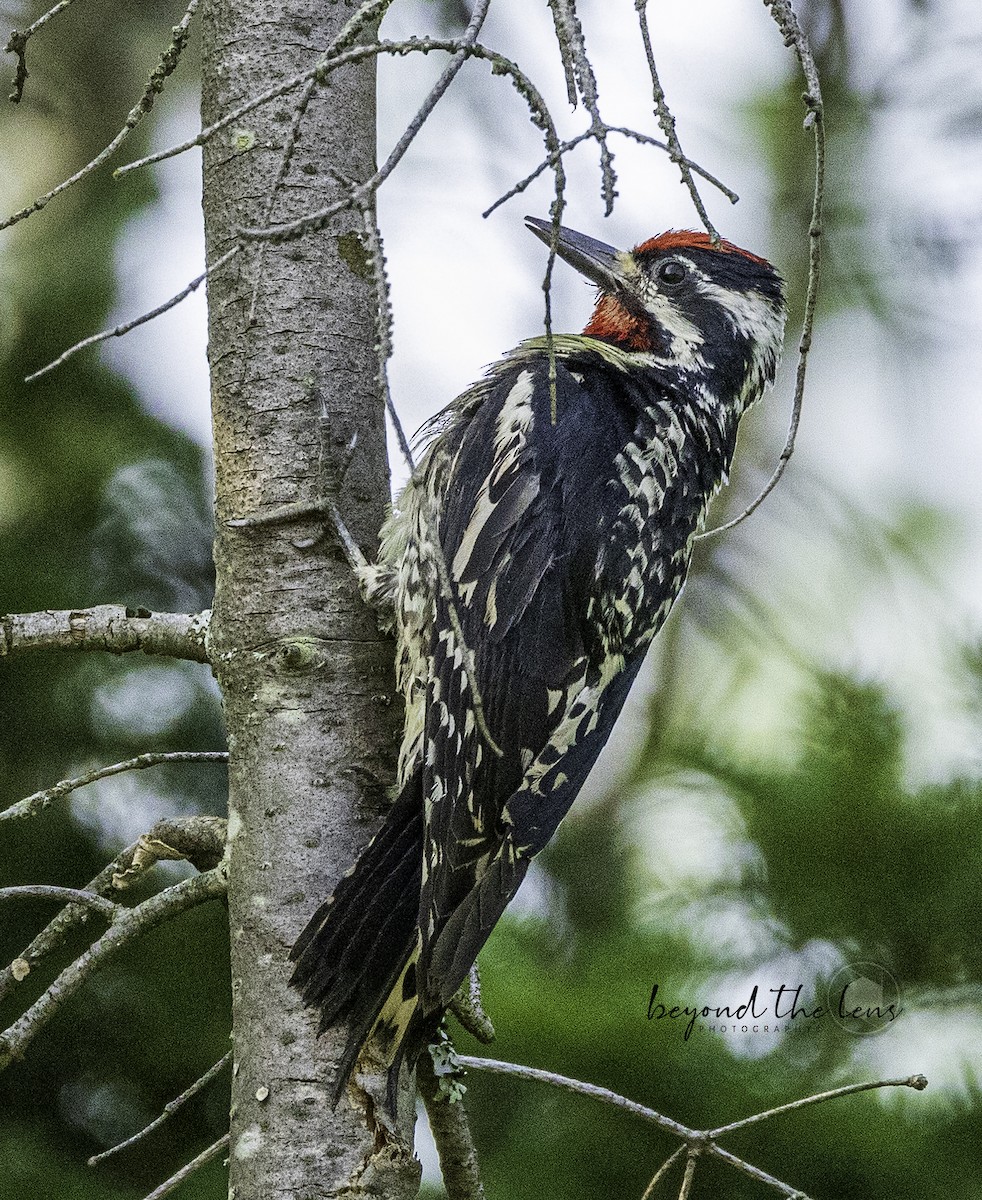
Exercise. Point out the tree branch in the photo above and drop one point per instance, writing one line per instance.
(126, 326)
(109, 627)
(458, 49)
(787, 22)
(642, 138)
(667, 122)
(31, 805)
(129, 925)
(579, 72)
(452, 1134)
(17, 44)
(189, 1169)
(697, 1142)
(51, 937)
(200, 840)
(663, 1170)
(155, 85)
(169, 1109)
(64, 895)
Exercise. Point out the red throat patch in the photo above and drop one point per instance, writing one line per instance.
(611, 322)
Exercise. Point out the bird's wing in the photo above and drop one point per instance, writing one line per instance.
(520, 542)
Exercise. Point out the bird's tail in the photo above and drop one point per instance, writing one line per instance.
(358, 950)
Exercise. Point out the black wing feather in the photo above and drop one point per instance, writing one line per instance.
(530, 562)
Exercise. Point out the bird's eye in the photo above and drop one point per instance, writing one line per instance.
(672, 272)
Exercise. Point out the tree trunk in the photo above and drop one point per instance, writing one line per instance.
(306, 677)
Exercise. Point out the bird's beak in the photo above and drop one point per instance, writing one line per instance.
(598, 262)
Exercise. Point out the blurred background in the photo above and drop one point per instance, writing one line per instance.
(793, 796)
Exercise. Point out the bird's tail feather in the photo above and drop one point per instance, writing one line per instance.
(355, 948)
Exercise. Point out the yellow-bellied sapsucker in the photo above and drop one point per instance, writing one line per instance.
(565, 509)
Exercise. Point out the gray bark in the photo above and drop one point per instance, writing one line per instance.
(306, 677)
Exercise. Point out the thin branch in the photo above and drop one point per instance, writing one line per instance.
(293, 511)
(155, 85)
(368, 12)
(17, 44)
(200, 840)
(51, 937)
(917, 1082)
(337, 55)
(460, 51)
(752, 1172)
(119, 330)
(663, 1170)
(496, 1067)
(64, 895)
(109, 627)
(690, 1173)
(189, 1169)
(130, 924)
(569, 34)
(787, 22)
(169, 1109)
(667, 122)
(696, 1141)
(452, 1135)
(587, 135)
(35, 803)
(468, 1008)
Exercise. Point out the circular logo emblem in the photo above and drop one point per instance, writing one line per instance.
(864, 998)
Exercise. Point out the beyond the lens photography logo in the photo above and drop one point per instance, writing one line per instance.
(862, 998)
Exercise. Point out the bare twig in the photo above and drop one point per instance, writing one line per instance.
(169, 1109)
(333, 56)
(496, 1067)
(109, 627)
(588, 135)
(569, 34)
(787, 22)
(452, 1135)
(696, 1141)
(692, 1159)
(119, 330)
(51, 937)
(468, 1008)
(663, 1170)
(460, 50)
(17, 44)
(189, 1169)
(199, 839)
(667, 123)
(33, 804)
(64, 895)
(130, 924)
(917, 1082)
(155, 85)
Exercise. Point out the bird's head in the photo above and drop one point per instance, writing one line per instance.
(685, 302)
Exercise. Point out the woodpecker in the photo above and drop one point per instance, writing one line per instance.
(530, 560)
